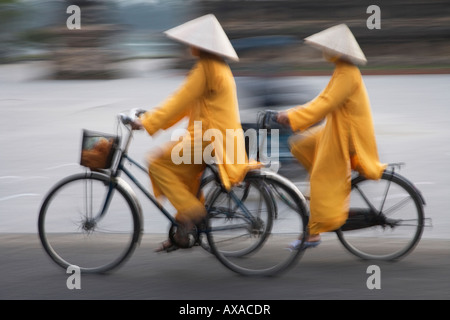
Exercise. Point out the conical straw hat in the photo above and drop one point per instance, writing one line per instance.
(338, 40)
(205, 33)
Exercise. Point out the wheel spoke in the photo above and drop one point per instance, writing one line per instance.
(401, 226)
(397, 205)
(72, 236)
(260, 248)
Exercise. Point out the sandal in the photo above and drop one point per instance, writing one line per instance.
(296, 245)
(185, 235)
(166, 246)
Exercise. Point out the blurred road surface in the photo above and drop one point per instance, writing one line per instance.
(327, 272)
(41, 122)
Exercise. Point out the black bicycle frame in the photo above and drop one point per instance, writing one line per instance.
(121, 168)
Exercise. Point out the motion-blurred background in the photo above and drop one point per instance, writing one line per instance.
(124, 38)
(55, 81)
(266, 34)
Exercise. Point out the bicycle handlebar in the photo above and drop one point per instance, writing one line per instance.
(131, 117)
(266, 117)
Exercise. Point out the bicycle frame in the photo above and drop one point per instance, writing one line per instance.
(264, 121)
(123, 157)
(152, 198)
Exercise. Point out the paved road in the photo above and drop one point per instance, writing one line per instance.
(41, 129)
(326, 272)
(41, 124)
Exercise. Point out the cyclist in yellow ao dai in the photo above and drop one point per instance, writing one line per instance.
(208, 100)
(346, 141)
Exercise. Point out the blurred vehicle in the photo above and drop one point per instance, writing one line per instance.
(267, 88)
(258, 94)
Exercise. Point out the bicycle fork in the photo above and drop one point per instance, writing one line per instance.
(91, 219)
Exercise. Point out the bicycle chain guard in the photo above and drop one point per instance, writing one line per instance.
(365, 218)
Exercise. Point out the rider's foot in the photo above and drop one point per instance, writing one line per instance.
(313, 238)
(311, 241)
(166, 246)
(185, 235)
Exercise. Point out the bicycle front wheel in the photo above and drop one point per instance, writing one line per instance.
(89, 221)
(396, 220)
(249, 230)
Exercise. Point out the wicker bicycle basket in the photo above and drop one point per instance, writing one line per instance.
(98, 149)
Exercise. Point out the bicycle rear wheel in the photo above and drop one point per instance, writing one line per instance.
(392, 210)
(246, 234)
(88, 220)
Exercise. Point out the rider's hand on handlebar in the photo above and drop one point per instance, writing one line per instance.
(136, 124)
(283, 119)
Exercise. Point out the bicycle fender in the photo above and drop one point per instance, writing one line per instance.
(285, 181)
(391, 173)
(408, 182)
(125, 186)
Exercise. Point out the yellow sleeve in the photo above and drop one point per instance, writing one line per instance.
(340, 87)
(178, 105)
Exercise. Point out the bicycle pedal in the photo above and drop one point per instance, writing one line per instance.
(192, 240)
(183, 238)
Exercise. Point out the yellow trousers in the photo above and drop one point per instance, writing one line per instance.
(330, 187)
(179, 183)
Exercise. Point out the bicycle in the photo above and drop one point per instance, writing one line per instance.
(248, 251)
(94, 219)
(386, 217)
